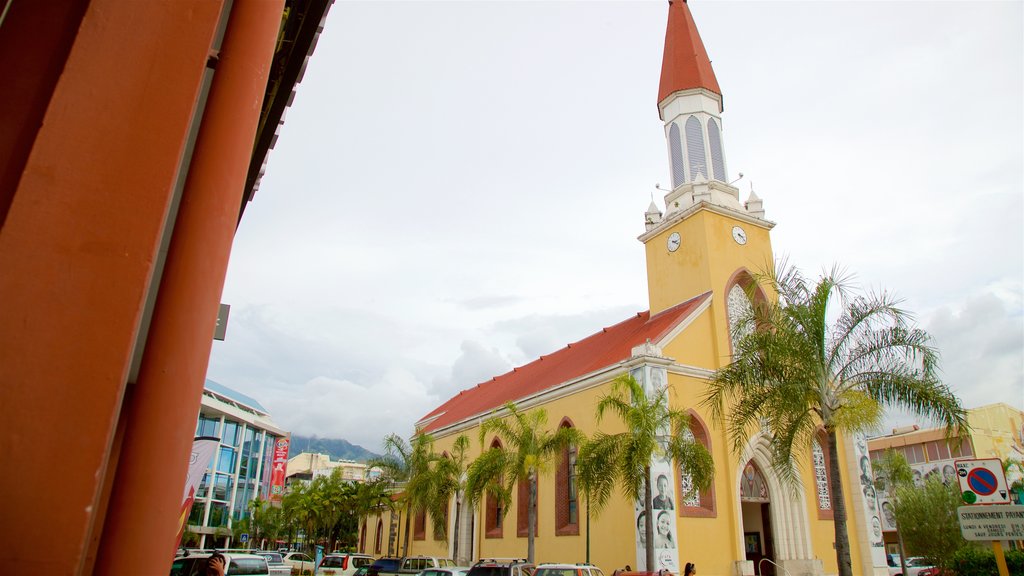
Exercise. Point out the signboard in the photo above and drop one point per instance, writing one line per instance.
(982, 481)
(991, 523)
(221, 330)
(244, 537)
(279, 468)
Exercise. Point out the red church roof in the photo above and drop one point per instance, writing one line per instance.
(685, 64)
(605, 348)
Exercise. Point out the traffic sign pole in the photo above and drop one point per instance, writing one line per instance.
(997, 547)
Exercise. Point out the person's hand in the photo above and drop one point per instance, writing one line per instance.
(215, 567)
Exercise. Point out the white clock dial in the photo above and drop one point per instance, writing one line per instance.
(673, 242)
(739, 235)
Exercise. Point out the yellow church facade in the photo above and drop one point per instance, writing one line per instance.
(703, 251)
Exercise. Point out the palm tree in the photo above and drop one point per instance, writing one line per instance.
(373, 497)
(447, 481)
(529, 447)
(625, 458)
(404, 463)
(793, 371)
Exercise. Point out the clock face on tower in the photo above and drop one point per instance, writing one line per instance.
(739, 235)
(673, 242)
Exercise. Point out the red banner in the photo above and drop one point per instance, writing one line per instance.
(279, 466)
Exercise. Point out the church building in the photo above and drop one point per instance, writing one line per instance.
(703, 251)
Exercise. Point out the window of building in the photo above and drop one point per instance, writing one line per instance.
(195, 516)
(675, 146)
(753, 488)
(566, 494)
(441, 534)
(819, 461)
(738, 309)
(230, 435)
(226, 460)
(218, 515)
(419, 526)
(493, 518)
(222, 485)
(208, 426)
(378, 537)
(715, 143)
(694, 502)
(523, 509)
(695, 148)
(362, 538)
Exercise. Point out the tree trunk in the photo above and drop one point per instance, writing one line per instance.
(838, 507)
(903, 552)
(649, 521)
(531, 516)
(408, 520)
(455, 545)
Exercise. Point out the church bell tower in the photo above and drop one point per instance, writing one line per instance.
(706, 235)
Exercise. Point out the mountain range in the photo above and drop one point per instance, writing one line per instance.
(337, 448)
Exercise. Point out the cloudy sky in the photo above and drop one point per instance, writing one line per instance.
(459, 186)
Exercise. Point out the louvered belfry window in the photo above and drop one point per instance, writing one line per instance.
(695, 148)
(675, 146)
(715, 143)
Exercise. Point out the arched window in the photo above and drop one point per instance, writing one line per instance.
(715, 143)
(493, 516)
(739, 311)
(675, 146)
(819, 461)
(694, 502)
(695, 148)
(567, 509)
(419, 526)
(523, 509)
(441, 534)
(362, 538)
(378, 536)
(753, 488)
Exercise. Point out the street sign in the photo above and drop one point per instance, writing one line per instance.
(982, 481)
(244, 537)
(991, 523)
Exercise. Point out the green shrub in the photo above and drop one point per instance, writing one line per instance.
(981, 561)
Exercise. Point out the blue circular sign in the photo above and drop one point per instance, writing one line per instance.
(982, 481)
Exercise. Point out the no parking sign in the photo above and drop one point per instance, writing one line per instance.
(982, 481)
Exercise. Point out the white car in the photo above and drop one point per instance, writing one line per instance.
(551, 569)
(343, 564)
(915, 564)
(194, 564)
(446, 571)
(299, 562)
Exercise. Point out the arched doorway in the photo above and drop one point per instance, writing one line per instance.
(755, 506)
(774, 509)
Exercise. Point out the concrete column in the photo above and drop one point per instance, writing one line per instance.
(162, 408)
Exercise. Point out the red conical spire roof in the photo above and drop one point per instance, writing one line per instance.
(685, 64)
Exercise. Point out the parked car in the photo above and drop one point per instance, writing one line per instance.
(238, 564)
(275, 561)
(343, 564)
(915, 565)
(502, 567)
(407, 566)
(299, 562)
(384, 566)
(446, 571)
(361, 571)
(551, 569)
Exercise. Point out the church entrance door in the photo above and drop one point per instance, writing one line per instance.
(755, 504)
